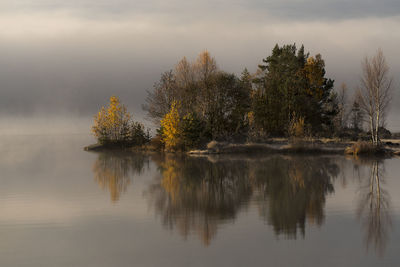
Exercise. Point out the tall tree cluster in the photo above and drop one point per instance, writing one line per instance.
(288, 95)
(288, 88)
(291, 84)
(214, 101)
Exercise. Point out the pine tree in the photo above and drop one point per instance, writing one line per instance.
(291, 82)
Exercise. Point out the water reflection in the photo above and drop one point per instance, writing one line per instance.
(373, 208)
(292, 190)
(198, 194)
(113, 171)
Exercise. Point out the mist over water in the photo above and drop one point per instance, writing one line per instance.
(67, 59)
(60, 61)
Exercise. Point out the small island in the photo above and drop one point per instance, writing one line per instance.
(286, 106)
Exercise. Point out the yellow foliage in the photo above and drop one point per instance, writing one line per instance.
(314, 71)
(112, 124)
(112, 173)
(111, 179)
(296, 175)
(205, 65)
(170, 181)
(171, 125)
(250, 116)
(297, 127)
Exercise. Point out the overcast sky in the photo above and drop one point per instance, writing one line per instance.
(70, 56)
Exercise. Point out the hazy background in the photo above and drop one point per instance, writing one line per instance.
(61, 60)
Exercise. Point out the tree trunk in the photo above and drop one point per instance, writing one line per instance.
(377, 125)
(371, 127)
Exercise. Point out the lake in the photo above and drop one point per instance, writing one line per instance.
(62, 206)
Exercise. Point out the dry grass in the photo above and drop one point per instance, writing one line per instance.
(362, 147)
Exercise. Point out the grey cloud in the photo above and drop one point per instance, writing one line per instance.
(71, 79)
(327, 10)
(184, 11)
(74, 61)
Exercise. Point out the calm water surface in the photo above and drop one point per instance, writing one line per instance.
(61, 206)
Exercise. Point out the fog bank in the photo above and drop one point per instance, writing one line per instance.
(67, 58)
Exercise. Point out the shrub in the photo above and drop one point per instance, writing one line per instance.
(138, 135)
(361, 147)
(384, 133)
(212, 145)
(156, 143)
(181, 132)
(297, 128)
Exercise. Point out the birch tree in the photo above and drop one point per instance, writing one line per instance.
(375, 92)
(114, 125)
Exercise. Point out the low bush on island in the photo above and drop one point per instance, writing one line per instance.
(113, 126)
(364, 148)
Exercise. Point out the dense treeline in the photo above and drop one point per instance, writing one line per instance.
(197, 102)
(288, 96)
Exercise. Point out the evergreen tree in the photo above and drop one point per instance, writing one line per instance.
(291, 83)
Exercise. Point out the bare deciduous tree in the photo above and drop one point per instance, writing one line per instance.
(205, 66)
(188, 83)
(343, 115)
(375, 92)
(158, 101)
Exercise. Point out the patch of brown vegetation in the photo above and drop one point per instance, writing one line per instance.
(363, 148)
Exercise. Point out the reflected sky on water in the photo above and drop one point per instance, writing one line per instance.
(62, 206)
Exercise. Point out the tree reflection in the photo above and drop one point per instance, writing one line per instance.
(195, 195)
(294, 191)
(113, 171)
(198, 194)
(373, 209)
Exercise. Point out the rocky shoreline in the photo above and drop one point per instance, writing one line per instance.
(278, 146)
